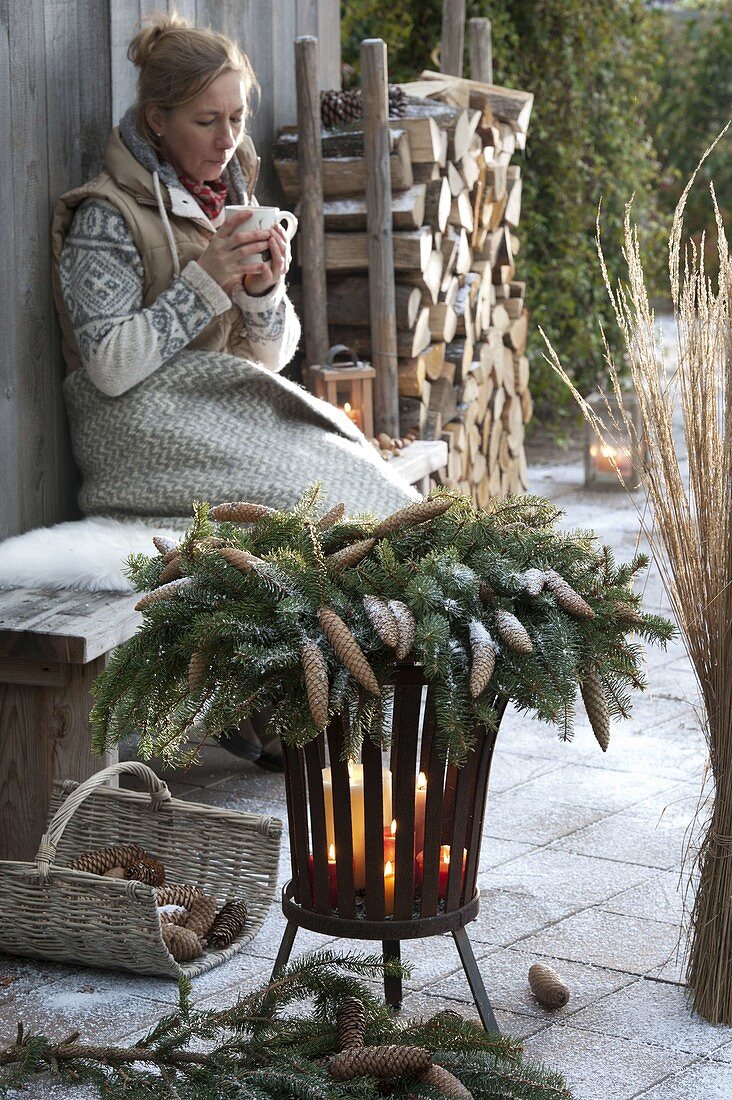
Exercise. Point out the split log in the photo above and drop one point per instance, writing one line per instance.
(349, 251)
(346, 175)
(438, 201)
(412, 374)
(505, 104)
(461, 212)
(427, 280)
(423, 132)
(349, 214)
(434, 359)
(348, 303)
(442, 321)
(410, 344)
(518, 331)
(442, 398)
(521, 373)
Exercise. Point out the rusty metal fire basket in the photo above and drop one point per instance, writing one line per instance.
(387, 847)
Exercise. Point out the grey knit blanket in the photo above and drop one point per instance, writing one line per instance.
(210, 426)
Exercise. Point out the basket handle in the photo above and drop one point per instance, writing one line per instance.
(159, 793)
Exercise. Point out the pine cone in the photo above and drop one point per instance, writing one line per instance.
(176, 893)
(448, 1084)
(407, 628)
(97, 862)
(333, 107)
(627, 613)
(347, 649)
(569, 600)
(534, 581)
(148, 870)
(351, 1023)
(483, 658)
(513, 633)
(381, 1062)
(350, 555)
(228, 924)
(201, 914)
(383, 620)
(115, 872)
(198, 667)
(594, 699)
(413, 514)
(316, 682)
(241, 559)
(164, 545)
(547, 986)
(180, 916)
(171, 571)
(332, 516)
(486, 593)
(182, 943)
(165, 592)
(240, 511)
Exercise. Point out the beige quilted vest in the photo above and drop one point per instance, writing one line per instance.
(128, 186)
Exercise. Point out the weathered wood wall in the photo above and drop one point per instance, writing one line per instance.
(64, 78)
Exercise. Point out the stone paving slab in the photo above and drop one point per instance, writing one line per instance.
(660, 898)
(702, 1081)
(599, 938)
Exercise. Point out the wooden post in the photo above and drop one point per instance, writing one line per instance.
(312, 239)
(453, 37)
(481, 50)
(379, 231)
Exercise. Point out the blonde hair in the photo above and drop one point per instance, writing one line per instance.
(177, 62)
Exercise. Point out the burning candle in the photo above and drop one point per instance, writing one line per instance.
(389, 888)
(420, 800)
(332, 881)
(605, 458)
(390, 842)
(444, 869)
(354, 415)
(358, 825)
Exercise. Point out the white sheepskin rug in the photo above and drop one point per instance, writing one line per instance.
(87, 555)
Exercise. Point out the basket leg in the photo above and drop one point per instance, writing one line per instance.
(392, 985)
(288, 939)
(475, 981)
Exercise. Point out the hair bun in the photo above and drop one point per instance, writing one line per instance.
(147, 38)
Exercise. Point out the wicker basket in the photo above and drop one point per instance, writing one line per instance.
(50, 912)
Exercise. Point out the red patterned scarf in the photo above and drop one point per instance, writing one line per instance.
(210, 195)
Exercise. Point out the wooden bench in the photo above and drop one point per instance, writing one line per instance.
(52, 647)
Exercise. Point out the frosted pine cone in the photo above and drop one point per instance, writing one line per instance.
(413, 514)
(164, 545)
(397, 101)
(228, 924)
(240, 511)
(182, 943)
(350, 555)
(351, 1023)
(347, 649)
(316, 682)
(332, 516)
(165, 592)
(534, 581)
(547, 986)
(448, 1084)
(594, 699)
(407, 628)
(381, 1062)
(241, 559)
(483, 655)
(513, 633)
(383, 620)
(171, 571)
(569, 600)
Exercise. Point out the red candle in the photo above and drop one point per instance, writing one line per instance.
(332, 880)
(390, 843)
(444, 869)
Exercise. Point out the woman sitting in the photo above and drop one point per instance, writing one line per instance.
(173, 337)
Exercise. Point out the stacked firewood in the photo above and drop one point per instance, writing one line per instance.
(460, 316)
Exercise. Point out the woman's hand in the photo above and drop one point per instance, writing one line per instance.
(226, 258)
(277, 266)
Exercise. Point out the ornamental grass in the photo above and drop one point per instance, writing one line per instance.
(689, 489)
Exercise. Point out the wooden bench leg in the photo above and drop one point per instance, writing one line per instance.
(44, 735)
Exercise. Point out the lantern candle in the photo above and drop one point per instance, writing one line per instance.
(420, 801)
(606, 458)
(353, 414)
(332, 881)
(389, 888)
(390, 842)
(358, 824)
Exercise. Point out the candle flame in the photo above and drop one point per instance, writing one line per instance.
(346, 408)
(393, 828)
(331, 853)
(421, 782)
(388, 869)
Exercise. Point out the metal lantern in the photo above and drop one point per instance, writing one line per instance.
(346, 382)
(621, 450)
(387, 847)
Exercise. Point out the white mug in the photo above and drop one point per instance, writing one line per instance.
(264, 217)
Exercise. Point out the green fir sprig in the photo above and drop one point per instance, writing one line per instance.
(257, 1050)
(248, 623)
